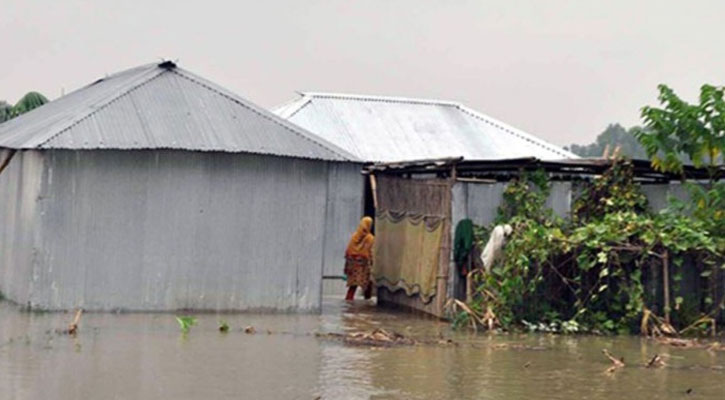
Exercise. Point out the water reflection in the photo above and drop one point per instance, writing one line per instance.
(144, 356)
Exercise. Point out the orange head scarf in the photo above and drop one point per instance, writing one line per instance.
(361, 242)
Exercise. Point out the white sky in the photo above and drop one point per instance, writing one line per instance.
(559, 69)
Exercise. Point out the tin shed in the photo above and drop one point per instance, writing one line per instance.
(391, 129)
(155, 189)
(419, 204)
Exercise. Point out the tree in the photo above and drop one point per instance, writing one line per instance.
(696, 130)
(6, 111)
(614, 135)
(29, 102)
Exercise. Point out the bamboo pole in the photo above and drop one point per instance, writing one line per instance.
(666, 283)
(374, 189)
(73, 327)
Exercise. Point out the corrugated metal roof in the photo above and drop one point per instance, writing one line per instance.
(160, 106)
(385, 129)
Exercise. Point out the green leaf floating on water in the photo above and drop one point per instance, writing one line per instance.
(185, 323)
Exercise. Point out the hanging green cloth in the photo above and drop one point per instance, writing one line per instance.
(462, 244)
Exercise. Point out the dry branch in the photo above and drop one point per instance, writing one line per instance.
(73, 327)
(616, 363)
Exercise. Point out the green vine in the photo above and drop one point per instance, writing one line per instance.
(590, 273)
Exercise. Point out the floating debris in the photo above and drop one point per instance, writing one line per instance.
(376, 337)
(73, 326)
(656, 362)
(250, 330)
(691, 344)
(617, 363)
(223, 326)
(517, 346)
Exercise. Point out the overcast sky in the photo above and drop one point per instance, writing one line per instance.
(561, 70)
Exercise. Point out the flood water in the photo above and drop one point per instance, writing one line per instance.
(144, 356)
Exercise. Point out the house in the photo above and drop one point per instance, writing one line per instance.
(156, 189)
(393, 129)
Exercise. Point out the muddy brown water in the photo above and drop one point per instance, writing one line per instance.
(144, 356)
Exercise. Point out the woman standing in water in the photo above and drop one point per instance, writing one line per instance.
(358, 259)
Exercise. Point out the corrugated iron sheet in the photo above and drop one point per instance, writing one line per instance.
(385, 129)
(167, 230)
(161, 107)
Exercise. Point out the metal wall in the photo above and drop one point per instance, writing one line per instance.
(165, 230)
(658, 194)
(344, 210)
(20, 185)
(480, 201)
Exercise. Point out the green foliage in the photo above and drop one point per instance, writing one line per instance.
(223, 326)
(29, 102)
(614, 191)
(614, 135)
(480, 235)
(185, 323)
(586, 274)
(707, 204)
(696, 130)
(6, 111)
(525, 197)
(460, 320)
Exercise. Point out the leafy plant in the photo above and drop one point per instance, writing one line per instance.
(6, 111)
(223, 326)
(586, 274)
(29, 102)
(696, 130)
(185, 323)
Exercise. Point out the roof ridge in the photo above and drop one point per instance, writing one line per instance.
(296, 105)
(271, 117)
(133, 85)
(379, 98)
(513, 131)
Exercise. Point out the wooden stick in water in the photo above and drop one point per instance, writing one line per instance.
(73, 327)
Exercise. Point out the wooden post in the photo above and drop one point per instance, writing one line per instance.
(444, 261)
(6, 161)
(666, 283)
(374, 189)
(615, 153)
(605, 154)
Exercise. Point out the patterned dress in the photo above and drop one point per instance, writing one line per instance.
(357, 270)
(359, 255)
